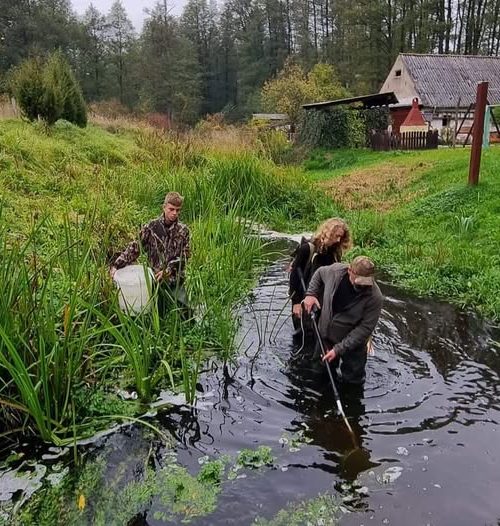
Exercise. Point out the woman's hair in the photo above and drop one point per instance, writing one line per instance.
(327, 230)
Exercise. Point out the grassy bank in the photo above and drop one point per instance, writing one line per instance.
(414, 213)
(71, 199)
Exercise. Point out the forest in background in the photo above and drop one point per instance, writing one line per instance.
(217, 57)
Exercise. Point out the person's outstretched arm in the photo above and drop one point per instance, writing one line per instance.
(131, 253)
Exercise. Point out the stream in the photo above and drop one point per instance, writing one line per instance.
(427, 423)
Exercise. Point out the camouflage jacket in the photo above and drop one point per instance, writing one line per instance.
(166, 245)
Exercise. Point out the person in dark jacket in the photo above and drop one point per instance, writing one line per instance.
(350, 302)
(165, 240)
(326, 247)
(166, 243)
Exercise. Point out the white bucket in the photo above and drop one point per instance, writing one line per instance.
(133, 294)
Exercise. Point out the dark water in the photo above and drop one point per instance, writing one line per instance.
(430, 415)
(430, 409)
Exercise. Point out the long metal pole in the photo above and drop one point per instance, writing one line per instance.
(332, 381)
(336, 396)
(477, 138)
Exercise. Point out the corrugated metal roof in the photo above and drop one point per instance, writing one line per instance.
(441, 79)
(270, 116)
(368, 101)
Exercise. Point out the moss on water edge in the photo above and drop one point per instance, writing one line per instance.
(90, 499)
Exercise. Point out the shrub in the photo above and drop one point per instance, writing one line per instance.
(275, 145)
(26, 86)
(293, 87)
(159, 121)
(375, 120)
(49, 91)
(62, 87)
(339, 128)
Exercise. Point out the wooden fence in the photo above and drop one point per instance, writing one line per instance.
(404, 141)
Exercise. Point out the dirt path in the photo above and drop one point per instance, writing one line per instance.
(380, 187)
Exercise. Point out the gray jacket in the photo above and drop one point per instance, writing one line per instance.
(350, 329)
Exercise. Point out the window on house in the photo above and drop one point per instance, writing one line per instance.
(398, 73)
(446, 121)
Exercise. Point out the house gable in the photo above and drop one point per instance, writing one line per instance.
(401, 83)
(439, 81)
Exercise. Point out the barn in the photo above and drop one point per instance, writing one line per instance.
(445, 86)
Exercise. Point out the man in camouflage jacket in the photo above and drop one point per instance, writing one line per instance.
(165, 241)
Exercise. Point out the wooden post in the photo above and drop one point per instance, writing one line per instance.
(455, 133)
(477, 138)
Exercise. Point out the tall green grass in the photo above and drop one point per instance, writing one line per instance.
(70, 201)
(46, 330)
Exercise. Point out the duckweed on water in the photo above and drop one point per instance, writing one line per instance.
(321, 511)
(172, 492)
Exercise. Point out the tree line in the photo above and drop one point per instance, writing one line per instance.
(217, 58)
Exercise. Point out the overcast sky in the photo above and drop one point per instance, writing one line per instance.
(134, 8)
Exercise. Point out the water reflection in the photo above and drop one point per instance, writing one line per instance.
(313, 396)
(431, 394)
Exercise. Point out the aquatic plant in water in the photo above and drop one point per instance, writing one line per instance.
(324, 510)
(91, 495)
(252, 459)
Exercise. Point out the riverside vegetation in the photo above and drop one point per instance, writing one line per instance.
(69, 200)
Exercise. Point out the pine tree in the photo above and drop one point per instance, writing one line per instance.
(67, 93)
(198, 24)
(93, 59)
(49, 91)
(119, 40)
(170, 72)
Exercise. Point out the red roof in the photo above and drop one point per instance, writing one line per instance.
(415, 117)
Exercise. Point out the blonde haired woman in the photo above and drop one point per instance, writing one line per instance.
(326, 247)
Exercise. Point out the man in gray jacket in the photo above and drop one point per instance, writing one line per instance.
(350, 302)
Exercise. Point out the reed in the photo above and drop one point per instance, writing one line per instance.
(62, 334)
(45, 329)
